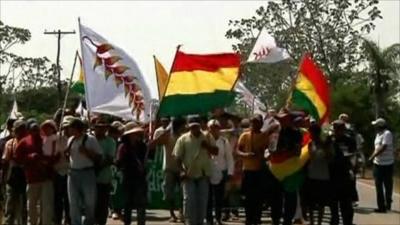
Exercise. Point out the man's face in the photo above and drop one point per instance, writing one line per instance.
(195, 130)
(215, 130)
(256, 125)
(48, 130)
(34, 130)
(338, 131)
(19, 132)
(74, 132)
(164, 123)
(100, 131)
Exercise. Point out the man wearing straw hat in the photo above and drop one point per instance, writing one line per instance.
(192, 151)
(131, 159)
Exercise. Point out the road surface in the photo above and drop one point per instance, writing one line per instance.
(364, 213)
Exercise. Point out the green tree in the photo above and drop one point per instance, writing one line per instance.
(330, 30)
(24, 72)
(383, 66)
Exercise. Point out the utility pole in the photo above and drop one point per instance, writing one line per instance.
(59, 33)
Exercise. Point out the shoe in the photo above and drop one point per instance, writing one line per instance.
(173, 220)
(115, 216)
(389, 207)
(380, 211)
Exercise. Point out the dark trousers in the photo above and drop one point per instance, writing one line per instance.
(135, 198)
(283, 203)
(253, 196)
(346, 209)
(61, 203)
(383, 176)
(102, 203)
(215, 200)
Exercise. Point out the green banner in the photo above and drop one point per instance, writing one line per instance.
(155, 178)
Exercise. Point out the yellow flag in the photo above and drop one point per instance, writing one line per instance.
(162, 78)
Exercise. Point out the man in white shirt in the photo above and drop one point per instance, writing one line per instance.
(222, 168)
(383, 159)
(84, 152)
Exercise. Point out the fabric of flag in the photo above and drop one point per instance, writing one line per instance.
(114, 83)
(287, 167)
(249, 98)
(162, 78)
(311, 91)
(200, 83)
(265, 50)
(79, 85)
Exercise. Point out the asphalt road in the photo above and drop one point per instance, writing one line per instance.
(364, 213)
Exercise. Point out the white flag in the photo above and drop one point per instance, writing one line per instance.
(81, 111)
(14, 114)
(114, 83)
(248, 98)
(266, 51)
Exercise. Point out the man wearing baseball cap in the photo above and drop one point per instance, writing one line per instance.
(383, 160)
(192, 151)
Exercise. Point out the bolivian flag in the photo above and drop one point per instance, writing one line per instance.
(79, 85)
(200, 83)
(311, 94)
(311, 91)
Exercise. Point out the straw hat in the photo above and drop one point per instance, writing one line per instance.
(131, 128)
(49, 123)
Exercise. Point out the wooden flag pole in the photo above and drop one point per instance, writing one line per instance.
(84, 72)
(169, 77)
(67, 91)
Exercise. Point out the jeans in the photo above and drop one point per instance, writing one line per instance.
(15, 207)
(383, 176)
(253, 196)
(103, 201)
(40, 193)
(82, 195)
(195, 199)
(61, 203)
(216, 200)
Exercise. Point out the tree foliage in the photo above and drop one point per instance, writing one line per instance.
(383, 66)
(329, 29)
(18, 71)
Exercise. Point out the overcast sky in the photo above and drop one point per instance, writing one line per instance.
(147, 28)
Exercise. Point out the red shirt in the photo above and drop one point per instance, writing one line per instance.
(29, 153)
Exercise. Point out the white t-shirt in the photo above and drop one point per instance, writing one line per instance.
(79, 160)
(50, 145)
(387, 156)
(223, 161)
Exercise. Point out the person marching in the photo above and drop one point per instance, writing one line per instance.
(192, 151)
(222, 170)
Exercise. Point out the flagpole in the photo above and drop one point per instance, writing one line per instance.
(293, 85)
(84, 72)
(67, 91)
(156, 70)
(169, 77)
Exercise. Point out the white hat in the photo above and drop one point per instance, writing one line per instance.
(379, 122)
(213, 122)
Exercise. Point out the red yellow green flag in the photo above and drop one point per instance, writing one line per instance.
(311, 94)
(79, 85)
(311, 90)
(200, 83)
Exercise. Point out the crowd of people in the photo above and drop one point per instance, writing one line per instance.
(59, 171)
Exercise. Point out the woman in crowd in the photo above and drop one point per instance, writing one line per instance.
(131, 160)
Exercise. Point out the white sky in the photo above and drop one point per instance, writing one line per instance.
(148, 28)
